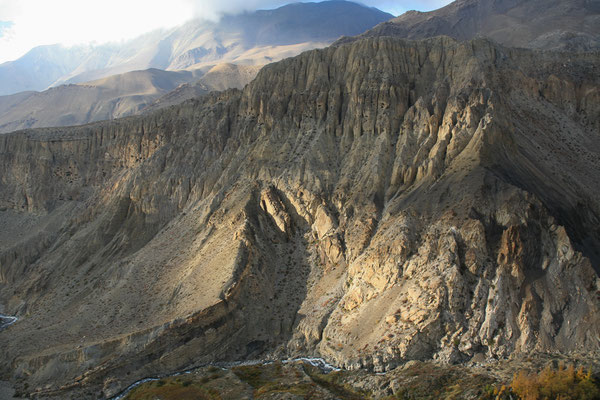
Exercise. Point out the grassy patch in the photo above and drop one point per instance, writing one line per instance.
(334, 383)
(429, 381)
(306, 390)
(274, 378)
(172, 389)
(252, 375)
(418, 380)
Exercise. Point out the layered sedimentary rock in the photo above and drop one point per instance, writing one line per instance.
(372, 203)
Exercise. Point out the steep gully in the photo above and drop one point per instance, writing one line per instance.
(373, 203)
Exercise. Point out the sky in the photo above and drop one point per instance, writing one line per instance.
(25, 24)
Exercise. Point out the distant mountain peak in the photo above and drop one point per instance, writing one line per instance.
(236, 38)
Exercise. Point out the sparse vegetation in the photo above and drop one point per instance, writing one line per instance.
(274, 378)
(429, 381)
(251, 374)
(334, 383)
(419, 380)
(173, 389)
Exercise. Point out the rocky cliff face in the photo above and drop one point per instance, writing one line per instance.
(373, 203)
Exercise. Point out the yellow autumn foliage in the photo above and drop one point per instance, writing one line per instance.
(564, 383)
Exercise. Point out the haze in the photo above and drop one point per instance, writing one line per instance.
(25, 24)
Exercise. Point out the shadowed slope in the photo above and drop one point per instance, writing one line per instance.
(373, 203)
(572, 25)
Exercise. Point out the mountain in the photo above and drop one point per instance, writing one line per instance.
(251, 38)
(39, 68)
(227, 76)
(370, 203)
(572, 25)
(107, 98)
(116, 96)
(219, 77)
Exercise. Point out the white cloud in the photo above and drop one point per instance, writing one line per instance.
(39, 22)
(213, 9)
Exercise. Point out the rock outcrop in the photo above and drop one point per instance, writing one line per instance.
(373, 203)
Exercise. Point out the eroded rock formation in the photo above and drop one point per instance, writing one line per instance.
(372, 203)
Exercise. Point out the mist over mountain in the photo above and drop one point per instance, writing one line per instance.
(40, 67)
(176, 57)
(250, 38)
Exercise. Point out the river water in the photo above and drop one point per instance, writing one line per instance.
(6, 321)
(314, 361)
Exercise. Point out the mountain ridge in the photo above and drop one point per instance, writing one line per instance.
(76, 104)
(193, 45)
(115, 96)
(571, 25)
(373, 203)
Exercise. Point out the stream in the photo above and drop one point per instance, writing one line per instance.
(314, 361)
(6, 321)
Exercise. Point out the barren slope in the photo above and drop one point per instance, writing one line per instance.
(117, 96)
(572, 25)
(219, 77)
(108, 98)
(372, 203)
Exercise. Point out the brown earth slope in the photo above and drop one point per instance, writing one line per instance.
(572, 25)
(371, 203)
(117, 96)
(108, 98)
(219, 77)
